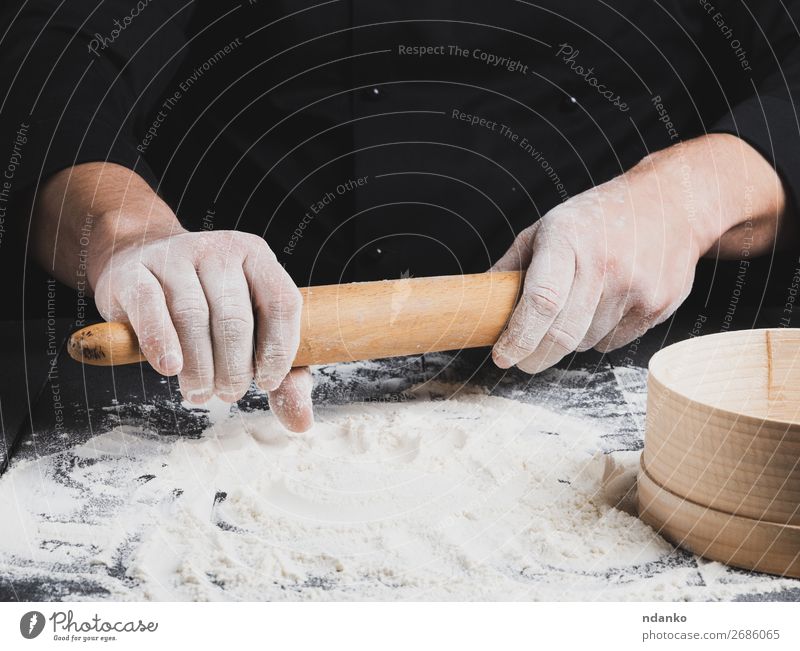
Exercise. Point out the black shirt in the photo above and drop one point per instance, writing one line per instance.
(370, 139)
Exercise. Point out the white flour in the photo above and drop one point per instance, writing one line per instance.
(474, 497)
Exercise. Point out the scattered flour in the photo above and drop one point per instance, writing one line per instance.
(472, 497)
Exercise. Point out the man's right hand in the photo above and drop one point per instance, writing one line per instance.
(214, 308)
(201, 304)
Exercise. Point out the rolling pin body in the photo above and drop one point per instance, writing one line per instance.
(356, 321)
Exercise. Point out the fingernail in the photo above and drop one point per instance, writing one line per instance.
(198, 396)
(500, 359)
(268, 383)
(170, 363)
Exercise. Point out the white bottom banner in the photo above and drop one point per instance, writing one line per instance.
(402, 626)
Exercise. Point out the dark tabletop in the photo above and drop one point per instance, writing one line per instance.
(43, 393)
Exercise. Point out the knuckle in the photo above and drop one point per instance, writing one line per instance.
(232, 305)
(232, 325)
(562, 338)
(110, 310)
(191, 328)
(227, 237)
(285, 303)
(146, 292)
(556, 227)
(274, 355)
(522, 340)
(646, 308)
(144, 312)
(256, 244)
(525, 237)
(251, 239)
(524, 344)
(544, 300)
(236, 379)
(292, 298)
(150, 345)
(190, 313)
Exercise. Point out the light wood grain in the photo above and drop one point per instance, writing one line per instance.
(721, 427)
(363, 320)
(742, 542)
(783, 382)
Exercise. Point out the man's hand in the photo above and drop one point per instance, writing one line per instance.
(200, 304)
(214, 308)
(607, 265)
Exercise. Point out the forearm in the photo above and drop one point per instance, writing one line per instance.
(216, 309)
(731, 196)
(83, 213)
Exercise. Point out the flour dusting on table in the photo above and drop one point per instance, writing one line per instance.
(471, 497)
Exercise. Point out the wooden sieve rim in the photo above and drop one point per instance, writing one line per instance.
(744, 519)
(660, 360)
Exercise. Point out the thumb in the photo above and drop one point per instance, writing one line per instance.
(291, 401)
(518, 256)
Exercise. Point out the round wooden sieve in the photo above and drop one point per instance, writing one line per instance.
(721, 461)
(723, 423)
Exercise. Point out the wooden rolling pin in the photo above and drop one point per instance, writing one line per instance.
(343, 323)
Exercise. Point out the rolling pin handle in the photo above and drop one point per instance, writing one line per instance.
(105, 344)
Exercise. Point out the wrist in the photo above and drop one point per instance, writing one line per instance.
(116, 232)
(715, 184)
(663, 188)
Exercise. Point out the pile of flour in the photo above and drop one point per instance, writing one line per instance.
(452, 494)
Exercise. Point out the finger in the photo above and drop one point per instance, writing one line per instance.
(231, 320)
(518, 256)
(632, 326)
(570, 326)
(145, 307)
(291, 401)
(547, 287)
(638, 320)
(277, 304)
(610, 311)
(190, 315)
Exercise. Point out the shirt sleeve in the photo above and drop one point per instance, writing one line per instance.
(764, 39)
(79, 80)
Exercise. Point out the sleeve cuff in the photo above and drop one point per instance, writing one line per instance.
(49, 147)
